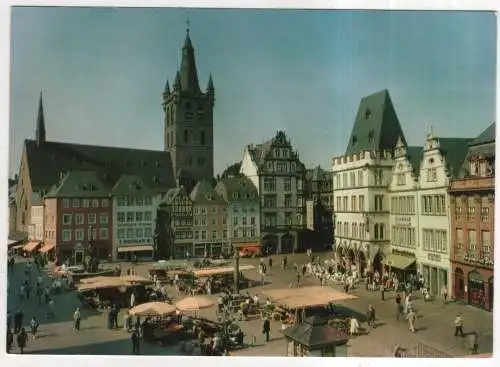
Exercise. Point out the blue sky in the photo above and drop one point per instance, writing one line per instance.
(103, 70)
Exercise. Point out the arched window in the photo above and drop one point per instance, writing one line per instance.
(376, 232)
(186, 137)
(381, 231)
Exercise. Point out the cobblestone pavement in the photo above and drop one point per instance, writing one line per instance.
(435, 323)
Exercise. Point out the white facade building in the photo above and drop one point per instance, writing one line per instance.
(35, 228)
(361, 219)
(134, 216)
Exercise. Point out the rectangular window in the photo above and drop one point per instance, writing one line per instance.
(203, 235)
(91, 219)
(67, 219)
(344, 180)
(252, 221)
(75, 203)
(353, 179)
(269, 183)
(360, 178)
(139, 233)
(66, 235)
(485, 214)
(148, 216)
(130, 217)
(471, 237)
(214, 235)
(196, 210)
(288, 201)
(79, 219)
(130, 233)
(85, 203)
(486, 244)
(203, 210)
(361, 203)
(121, 233)
(214, 221)
(103, 233)
(401, 179)
(214, 210)
(122, 201)
(287, 183)
(121, 217)
(104, 203)
(103, 218)
(148, 232)
(66, 203)
(138, 216)
(79, 234)
(244, 220)
(139, 201)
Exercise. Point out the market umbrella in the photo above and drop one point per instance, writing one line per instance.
(194, 303)
(109, 283)
(153, 309)
(136, 279)
(96, 279)
(162, 264)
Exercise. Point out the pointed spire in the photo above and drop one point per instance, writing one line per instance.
(40, 123)
(166, 92)
(210, 85)
(177, 83)
(189, 74)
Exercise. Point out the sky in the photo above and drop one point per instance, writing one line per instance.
(102, 72)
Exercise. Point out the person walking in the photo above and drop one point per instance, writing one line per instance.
(399, 307)
(266, 328)
(444, 293)
(34, 324)
(270, 263)
(370, 315)
(22, 338)
(77, 318)
(382, 292)
(9, 340)
(354, 327)
(135, 341)
(18, 321)
(412, 317)
(459, 324)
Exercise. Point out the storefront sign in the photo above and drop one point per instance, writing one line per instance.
(434, 257)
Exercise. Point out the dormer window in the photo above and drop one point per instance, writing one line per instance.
(368, 114)
(431, 160)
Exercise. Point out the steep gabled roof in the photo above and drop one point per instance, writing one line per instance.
(131, 185)
(487, 136)
(172, 194)
(204, 193)
(79, 184)
(260, 151)
(415, 155)
(241, 185)
(376, 126)
(454, 150)
(48, 161)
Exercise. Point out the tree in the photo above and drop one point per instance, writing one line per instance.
(164, 233)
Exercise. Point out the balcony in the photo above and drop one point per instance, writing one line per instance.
(473, 183)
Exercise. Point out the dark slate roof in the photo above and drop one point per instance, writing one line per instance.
(376, 126)
(204, 193)
(487, 136)
(242, 185)
(172, 194)
(79, 184)
(48, 161)
(415, 155)
(259, 152)
(454, 150)
(131, 185)
(318, 174)
(315, 332)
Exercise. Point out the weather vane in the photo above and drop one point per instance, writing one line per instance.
(187, 25)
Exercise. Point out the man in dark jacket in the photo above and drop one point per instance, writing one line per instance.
(22, 337)
(266, 328)
(10, 340)
(135, 341)
(18, 321)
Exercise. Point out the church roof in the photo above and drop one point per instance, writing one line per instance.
(415, 155)
(454, 150)
(376, 126)
(188, 72)
(79, 184)
(131, 185)
(46, 163)
(318, 174)
(487, 136)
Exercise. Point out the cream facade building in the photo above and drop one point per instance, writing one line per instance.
(35, 228)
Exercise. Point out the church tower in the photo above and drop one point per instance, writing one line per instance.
(40, 124)
(189, 122)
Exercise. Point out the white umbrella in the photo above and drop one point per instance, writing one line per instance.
(153, 309)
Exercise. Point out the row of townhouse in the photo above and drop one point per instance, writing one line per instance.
(416, 209)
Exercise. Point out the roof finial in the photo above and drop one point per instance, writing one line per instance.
(187, 25)
(431, 131)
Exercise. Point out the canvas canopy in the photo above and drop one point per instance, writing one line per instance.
(220, 271)
(304, 297)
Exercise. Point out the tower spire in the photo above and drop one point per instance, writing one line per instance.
(40, 123)
(188, 72)
(166, 92)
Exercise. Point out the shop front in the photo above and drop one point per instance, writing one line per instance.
(210, 249)
(473, 285)
(435, 271)
(401, 263)
(137, 251)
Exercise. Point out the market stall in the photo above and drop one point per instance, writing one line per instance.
(219, 279)
(112, 290)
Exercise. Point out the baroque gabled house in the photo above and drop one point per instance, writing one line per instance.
(278, 174)
(472, 209)
(361, 178)
(189, 132)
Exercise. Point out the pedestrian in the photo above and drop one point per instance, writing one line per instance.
(399, 306)
(110, 318)
(459, 324)
(135, 342)
(18, 321)
(27, 289)
(22, 338)
(382, 292)
(444, 293)
(39, 294)
(370, 315)
(22, 291)
(77, 318)
(412, 317)
(298, 279)
(115, 315)
(47, 295)
(266, 328)
(354, 327)
(473, 344)
(9, 340)
(34, 324)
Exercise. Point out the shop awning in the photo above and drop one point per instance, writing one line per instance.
(11, 242)
(30, 246)
(46, 248)
(246, 244)
(399, 261)
(137, 248)
(16, 247)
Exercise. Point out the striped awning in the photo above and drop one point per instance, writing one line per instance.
(135, 248)
(30, 246)
(46, 248)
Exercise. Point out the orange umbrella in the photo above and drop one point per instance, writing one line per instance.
(194, 303)
(153, 309)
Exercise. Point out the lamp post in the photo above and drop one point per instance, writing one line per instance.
(236, 270)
